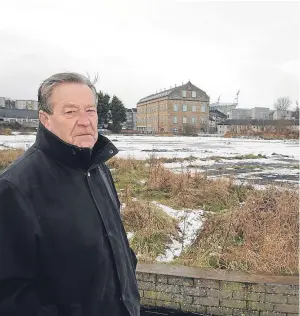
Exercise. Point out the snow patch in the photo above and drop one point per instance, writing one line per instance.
(190, 221)
(129, 235)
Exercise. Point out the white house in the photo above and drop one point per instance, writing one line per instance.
(282, 115)
(26, 104)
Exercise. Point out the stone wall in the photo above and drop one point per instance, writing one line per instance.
(217, 292)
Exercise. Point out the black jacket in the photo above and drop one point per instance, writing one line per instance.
(63, 247)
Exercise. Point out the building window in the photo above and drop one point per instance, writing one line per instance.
(184, 107)
(175, 130)
(175, 120)
(193, 94)
(203, 108)
(175, 107)
(194, 108)
(183, 93)
(193, 120)
(184, 120)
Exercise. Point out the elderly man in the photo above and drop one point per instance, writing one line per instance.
(63, 248)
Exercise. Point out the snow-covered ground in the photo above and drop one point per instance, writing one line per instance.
(190, 221)
(140, 147)
(280, 166)
(16, 141)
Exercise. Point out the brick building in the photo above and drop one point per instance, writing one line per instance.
(174, 111)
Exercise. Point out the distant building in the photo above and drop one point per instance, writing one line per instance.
(174, 110)
(259, 113)
(282, 115)
(26, 104)
(271, 114)
(2, 102)
(23, 116)
(223, 107)
(238, 126)
(239, 114)
(215, 118)
(130, 123)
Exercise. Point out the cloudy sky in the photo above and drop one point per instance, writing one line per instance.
(138, 47)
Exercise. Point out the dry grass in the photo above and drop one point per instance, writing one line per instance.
(8, 156)
(193, 190)
(262, 236)
(259, 235)
(5, 131)
(174, 159)
(282, 133)
(153, 229)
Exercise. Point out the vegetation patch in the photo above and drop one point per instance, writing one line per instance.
(247, 167)
(294, 166)
(7, 156)
(175, 159)
(260, 236)
(244, 229)
(153, 229)
(239, 157)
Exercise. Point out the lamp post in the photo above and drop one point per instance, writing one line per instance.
(263, 119)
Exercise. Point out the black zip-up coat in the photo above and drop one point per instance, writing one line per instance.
(63, 247)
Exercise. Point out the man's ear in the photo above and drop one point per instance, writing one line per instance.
(44, 118)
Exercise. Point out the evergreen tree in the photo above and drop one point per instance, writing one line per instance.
(118, 114)
(103, 108)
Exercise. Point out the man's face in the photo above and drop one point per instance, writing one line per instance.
(74, 116)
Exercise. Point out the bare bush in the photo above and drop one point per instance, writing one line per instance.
(262, 236)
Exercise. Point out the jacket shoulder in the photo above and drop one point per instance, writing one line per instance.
(22, 166)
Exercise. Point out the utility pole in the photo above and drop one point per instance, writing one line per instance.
(146, 118)
(158, 109)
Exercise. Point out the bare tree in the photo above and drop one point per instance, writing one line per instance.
(297, 111)
(283, 103)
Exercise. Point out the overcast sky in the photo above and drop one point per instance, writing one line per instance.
(138, 47)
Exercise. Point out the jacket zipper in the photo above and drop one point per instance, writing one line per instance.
(97, 207)
(108, 186)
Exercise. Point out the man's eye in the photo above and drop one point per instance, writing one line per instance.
(91, 110)
(70, 112)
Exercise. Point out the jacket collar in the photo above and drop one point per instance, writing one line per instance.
(73, 156)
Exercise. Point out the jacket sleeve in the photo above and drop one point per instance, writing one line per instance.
(17, 254)
(134, 258)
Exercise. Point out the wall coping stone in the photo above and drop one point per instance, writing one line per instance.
(215, 274)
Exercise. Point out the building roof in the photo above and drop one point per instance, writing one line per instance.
(131, 110)
(18, 113)
(218, 113)
(257, 122)
(223, 107)
(172, 92)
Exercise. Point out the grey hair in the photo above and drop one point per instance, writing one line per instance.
(47, 86)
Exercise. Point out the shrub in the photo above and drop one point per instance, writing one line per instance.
(261, 236)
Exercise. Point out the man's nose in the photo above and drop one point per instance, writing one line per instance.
(83, 119)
